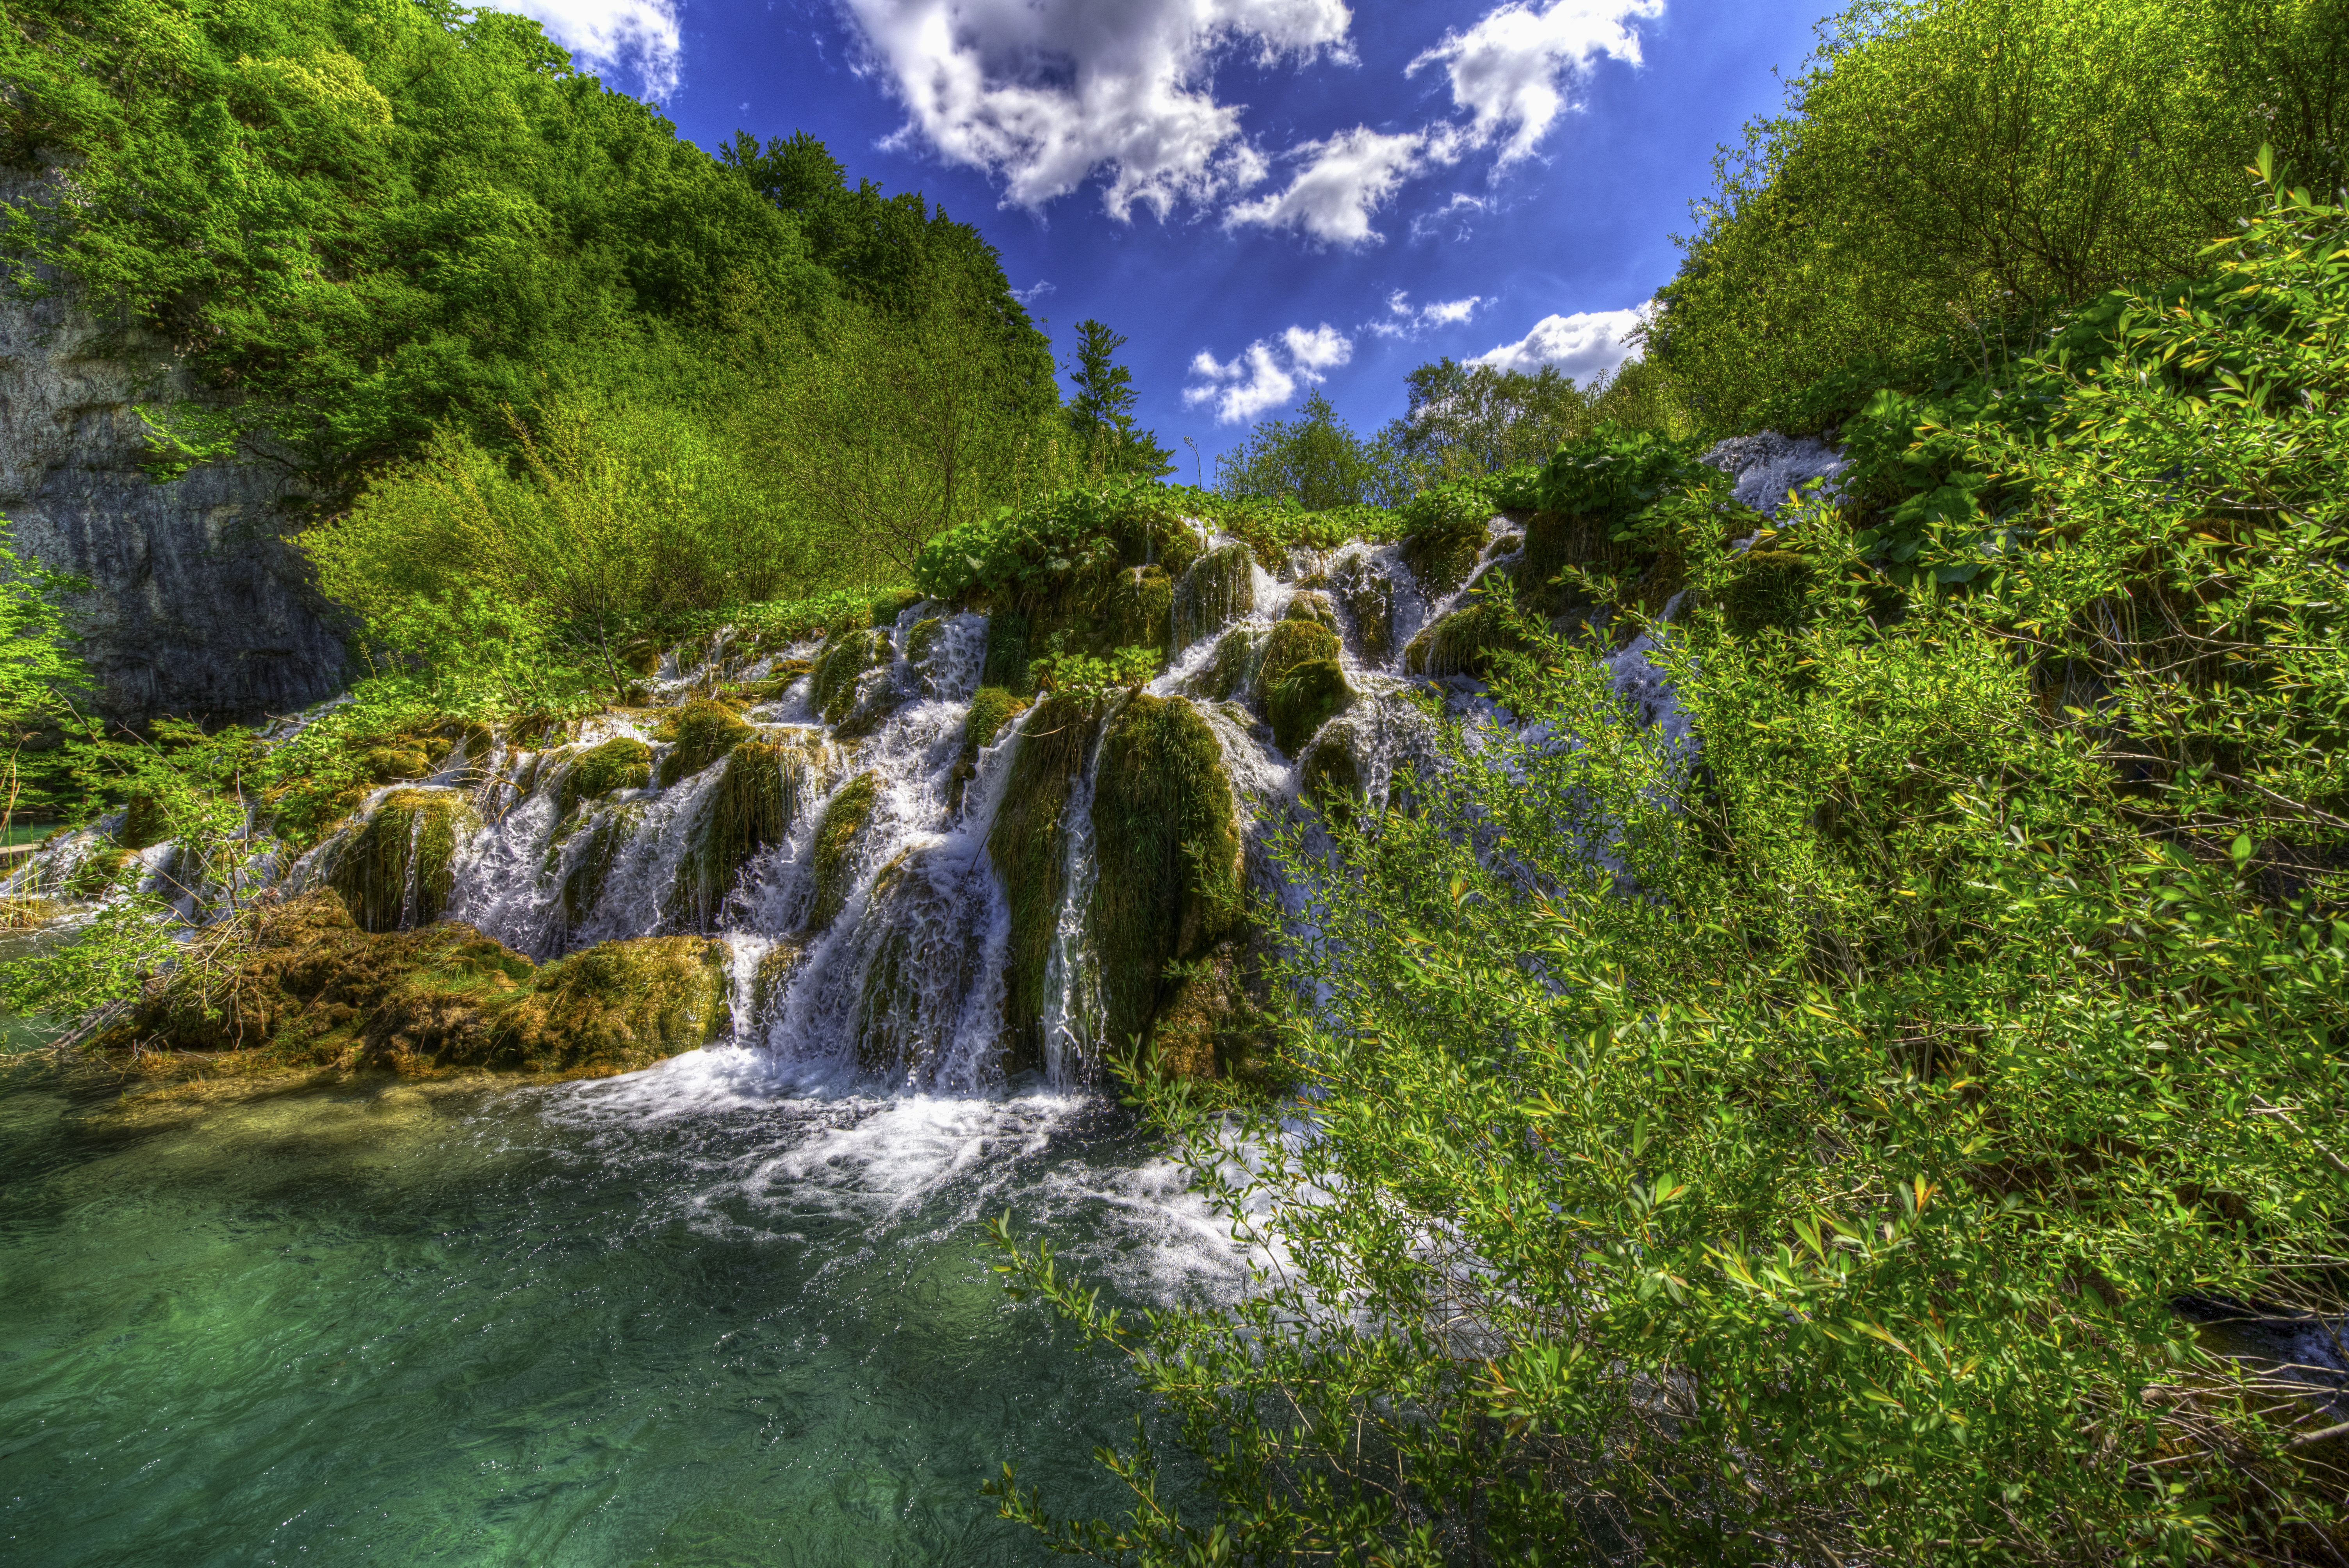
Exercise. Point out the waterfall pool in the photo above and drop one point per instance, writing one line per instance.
(700, 1316)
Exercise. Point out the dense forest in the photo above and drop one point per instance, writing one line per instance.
(1854, 1125)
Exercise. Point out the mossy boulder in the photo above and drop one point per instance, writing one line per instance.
(586, 859)
(1771, 588)
(845, 658)
(991, 712)
(703, 731)
(1301, 682)
(1140, 609)
(311, 989)
(642, 657)
(894, 603)
(1218, 589)
(1368, 594)
(923, 968)
(1311, 605)
(398, 868)
(1208, 1026)
(622, 763)
(1229, 668)
(1443, 549)
(1166, 843)
(1329, 776)
(754, 807)
(1029, 847)
(1466, 641)
(771, 979)
(844, 816)
(98, 870)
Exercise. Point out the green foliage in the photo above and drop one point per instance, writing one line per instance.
(1316, 460)
(1467, 421)
(1091, 683)
(1443, 531)
(40, 674)
(1101, 413)
(1816, 1138)
(1945, 170)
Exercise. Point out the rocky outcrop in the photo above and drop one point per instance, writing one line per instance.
(198, 608)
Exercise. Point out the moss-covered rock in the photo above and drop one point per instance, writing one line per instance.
(1329, 776)
(1300, 681)
(703, 731)
(144, 823)
(1466, 641)
(894, 603)
(1443, 549)
(1771, 588)
(642, 657)
(923, 967)
(753, 808)
(1166, 843)
(1140, 609)
(98, 871)
(1312, 607)
(1231, 666)
(772, 979)
(587, 861)
(922, 638)
(622, 763)
(846, 657)
(398, 868)
(991, 711)
(1029, 847)
(1368, 595)
(844, 816)
(310, 989)
(1208, 1026)
(1007, 652)
(1218, 589)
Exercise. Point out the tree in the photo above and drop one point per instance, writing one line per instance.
(1101, 413)
(39, 672)
(1315, 459)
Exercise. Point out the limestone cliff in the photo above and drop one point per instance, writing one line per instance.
(198, 608)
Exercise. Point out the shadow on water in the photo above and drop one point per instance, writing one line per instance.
(686, 1317)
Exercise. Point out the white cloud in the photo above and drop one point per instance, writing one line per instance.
(1322, 349)
(1580, 345)
(1509, 71)
(1405, 319)
(1034, 291)
(1043, 93)
(606, 35)
(1344, 180)
(1265, 376)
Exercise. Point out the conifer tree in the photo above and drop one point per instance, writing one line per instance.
(1102, 410)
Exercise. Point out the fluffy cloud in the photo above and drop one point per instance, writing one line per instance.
(1405, 319)
(1041, 93)
(1580, 345)
(1263, 375)
(1344, 180)
(605, 36)
(1509, 71)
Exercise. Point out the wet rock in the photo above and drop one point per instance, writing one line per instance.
(702, 732)
(397, 869)
(1218, 589)
(1028, 848)
(1367, 594)
(844, 816)
(622, 763)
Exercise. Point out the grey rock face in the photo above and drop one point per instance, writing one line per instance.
(1766, 464)
(198, 609)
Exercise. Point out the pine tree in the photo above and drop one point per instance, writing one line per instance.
(1101, 413)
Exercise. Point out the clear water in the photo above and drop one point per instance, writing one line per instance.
(689, 1317)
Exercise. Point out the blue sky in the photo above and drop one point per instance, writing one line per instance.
(1264, 196)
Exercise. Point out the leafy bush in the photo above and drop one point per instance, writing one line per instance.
(1824, 1134)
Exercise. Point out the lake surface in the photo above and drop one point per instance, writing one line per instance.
(700, 1316)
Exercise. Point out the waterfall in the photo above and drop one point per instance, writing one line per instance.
(835, 837)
